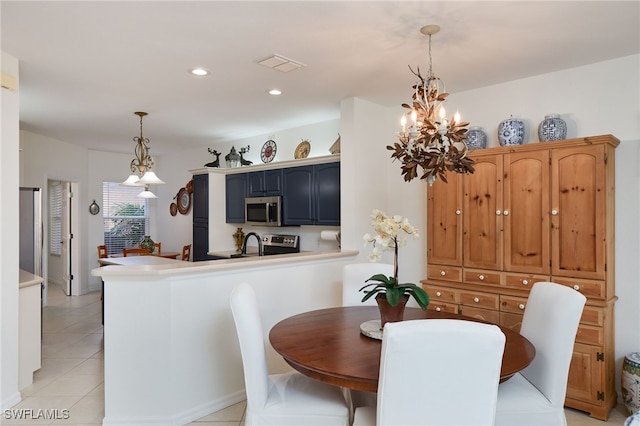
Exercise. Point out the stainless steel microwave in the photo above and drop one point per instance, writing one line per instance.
(265, 211)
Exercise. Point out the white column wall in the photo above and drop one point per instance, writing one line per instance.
(9, 221)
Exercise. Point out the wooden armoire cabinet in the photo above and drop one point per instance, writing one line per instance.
(534, 212)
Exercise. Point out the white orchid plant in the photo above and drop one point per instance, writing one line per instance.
(391, 234)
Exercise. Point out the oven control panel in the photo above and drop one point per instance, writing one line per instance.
(279, 240)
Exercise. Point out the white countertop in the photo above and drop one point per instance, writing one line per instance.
(27, 279)
(158, 266)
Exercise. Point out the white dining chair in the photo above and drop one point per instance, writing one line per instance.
(437, 372)
(279, 399)
(535, 395)
(354, 276)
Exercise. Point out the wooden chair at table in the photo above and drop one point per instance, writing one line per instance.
(135, 252)
(102, 251)
(279, 399)
(159, 249)
(437, 372)
(186, 252)
(535, 395)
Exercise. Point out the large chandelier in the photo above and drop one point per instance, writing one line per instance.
(142, 173)
(428, 139)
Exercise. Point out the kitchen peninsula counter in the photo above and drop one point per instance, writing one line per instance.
(171, 353)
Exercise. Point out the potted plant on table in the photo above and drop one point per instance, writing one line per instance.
(391, 295)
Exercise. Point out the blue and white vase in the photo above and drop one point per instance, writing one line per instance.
(552, 128)
(476, 138)
(511, 132)
(630, 382)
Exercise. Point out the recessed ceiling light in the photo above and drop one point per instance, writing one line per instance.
(199, 72)
(275, 92)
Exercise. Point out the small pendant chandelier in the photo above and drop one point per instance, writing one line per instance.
(142, 173)
(428, 139)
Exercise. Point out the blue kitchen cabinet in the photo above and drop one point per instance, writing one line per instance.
(200, 217)
(311, 195)
(264, 183)
(326, 181)
(298, 196)
(235, 193)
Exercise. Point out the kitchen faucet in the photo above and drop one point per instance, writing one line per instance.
(244, 243)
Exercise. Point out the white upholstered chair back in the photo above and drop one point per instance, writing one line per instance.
(246, 315)
(353, 279)
(550, 322)
(535, 396)
(437, 372)
(289, 399)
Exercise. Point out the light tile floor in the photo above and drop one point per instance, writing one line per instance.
(72, 376)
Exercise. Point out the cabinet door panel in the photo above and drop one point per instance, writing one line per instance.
(526, 212)
(578, 212)
(585, 373)
(327, 194)
(298, 199)
(444, 221)
(235, 192)
(483, 214)
(201, 198)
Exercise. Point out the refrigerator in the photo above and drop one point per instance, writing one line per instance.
(31, 240)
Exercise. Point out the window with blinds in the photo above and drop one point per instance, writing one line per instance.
(124, 216)
(55, 218)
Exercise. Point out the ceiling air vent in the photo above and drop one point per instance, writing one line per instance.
(280, 63)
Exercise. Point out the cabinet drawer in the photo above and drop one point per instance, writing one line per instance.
(523, 281)
(512, 304)
(590, 335)
(480, 300)
(511, 321)
(592, 316)
(590, 288)
(482, 314)
(441, 272)
(436, 305)
(442, 294)
(479, 276)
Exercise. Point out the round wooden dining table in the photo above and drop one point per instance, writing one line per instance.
(327, 345)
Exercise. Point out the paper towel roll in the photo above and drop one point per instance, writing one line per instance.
(329, 235)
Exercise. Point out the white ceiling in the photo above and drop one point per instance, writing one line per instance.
(87, 66)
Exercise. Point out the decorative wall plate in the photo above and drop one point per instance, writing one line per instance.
(94, 208)
(302, 150)
(184, 201)
(173, 209)
(268, 152)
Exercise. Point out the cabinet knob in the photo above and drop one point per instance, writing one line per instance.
(458, 211)
(476, 299)
(506, 213)
(525, 282)
(481, 277)
(498, 212)
(438, 309)
(438, 294)
(554, 212)
(521, 306)
(576, 287)
(443, 273)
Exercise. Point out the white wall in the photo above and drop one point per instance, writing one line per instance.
(9, 172)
